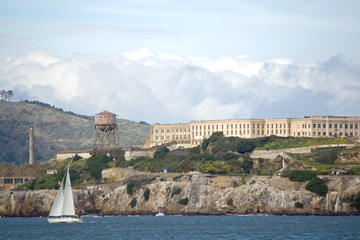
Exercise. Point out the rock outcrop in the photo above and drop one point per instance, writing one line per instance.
(205, 195)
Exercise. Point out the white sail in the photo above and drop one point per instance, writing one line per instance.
(56, 209)
(68, 207)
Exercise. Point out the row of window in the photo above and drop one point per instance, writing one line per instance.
(319, 134)
(336, 125)
(11, 180)
(172, 130)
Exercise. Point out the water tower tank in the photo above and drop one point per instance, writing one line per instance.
(105, 121)
(106, 130)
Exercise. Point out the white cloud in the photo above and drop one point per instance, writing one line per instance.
(162, 87)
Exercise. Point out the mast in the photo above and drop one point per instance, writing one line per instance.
(56, 209)
(68, 206)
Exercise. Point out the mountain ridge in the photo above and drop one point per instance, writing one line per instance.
(54, 130)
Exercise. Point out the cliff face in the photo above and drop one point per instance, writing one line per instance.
(206, 195)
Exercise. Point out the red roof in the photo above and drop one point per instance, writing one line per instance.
(106, 113)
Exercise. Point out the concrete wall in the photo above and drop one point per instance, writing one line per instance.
(65, 155)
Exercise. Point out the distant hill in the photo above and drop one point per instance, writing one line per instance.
(54, 130)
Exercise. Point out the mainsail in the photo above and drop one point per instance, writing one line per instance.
(64, 202)
(68, 206)
(56, 210)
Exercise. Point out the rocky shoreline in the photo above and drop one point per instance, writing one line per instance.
(194, 195)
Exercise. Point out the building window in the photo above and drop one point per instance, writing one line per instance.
(314, 125)
(335, 125)
(298, 134)
(319, 125)
(156, 131)
(346, 126)
(356, 126)
(351, 126)
(324, 125)
(330, 125)
(156, 137)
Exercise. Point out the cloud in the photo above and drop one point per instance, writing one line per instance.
(162, 87)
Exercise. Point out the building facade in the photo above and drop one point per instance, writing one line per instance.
(195, 132)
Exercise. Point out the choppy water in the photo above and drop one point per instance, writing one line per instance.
(185, 227)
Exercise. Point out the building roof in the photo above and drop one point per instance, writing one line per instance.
(106, 113)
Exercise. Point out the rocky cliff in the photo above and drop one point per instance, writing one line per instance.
(205, 195)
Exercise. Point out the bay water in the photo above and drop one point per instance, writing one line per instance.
(185, 227)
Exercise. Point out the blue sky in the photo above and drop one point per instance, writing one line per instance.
(307, 52)
(301, 30)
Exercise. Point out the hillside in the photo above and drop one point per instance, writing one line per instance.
(54, 130)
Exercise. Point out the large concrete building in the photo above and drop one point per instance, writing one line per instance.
(194, 132)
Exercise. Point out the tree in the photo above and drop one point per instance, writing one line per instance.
(247, 164)
(10, 94)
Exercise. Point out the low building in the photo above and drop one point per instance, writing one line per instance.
(65, 154)
(195, 132)
(12, 176)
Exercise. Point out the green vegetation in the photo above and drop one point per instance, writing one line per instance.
(134, 184)
(299, 205)
(96, 163)
(317, 186)
(325, 155)
(356, 201)
(133, 202)
(301, 175)
(82, 172)
(175, 191)
(229, 202)
(147, 194)
(295, 142)
(183, 201)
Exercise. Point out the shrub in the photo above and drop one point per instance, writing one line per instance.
(175, 191)
(133, 184)
(299, 205)
(245, 146)
(176, 178)
(301, 175)
(229, 202)
(96, 163)
(247, 164)
(133, 202)
(76, 157)
(215, 136)
(326, 155)
(147, 194)
(44, 182)
(161, 152)
(183, 201)
(130, 187)
(204, 144)
(317, 186)
(354, 201)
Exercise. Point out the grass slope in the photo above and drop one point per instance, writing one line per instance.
(54, 130)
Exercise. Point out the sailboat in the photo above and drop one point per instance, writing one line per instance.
(63, 209)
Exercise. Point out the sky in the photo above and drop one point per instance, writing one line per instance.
(177, 61)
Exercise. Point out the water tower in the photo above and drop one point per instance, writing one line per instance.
(106, 130)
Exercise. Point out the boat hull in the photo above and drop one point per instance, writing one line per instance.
(63, 220)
